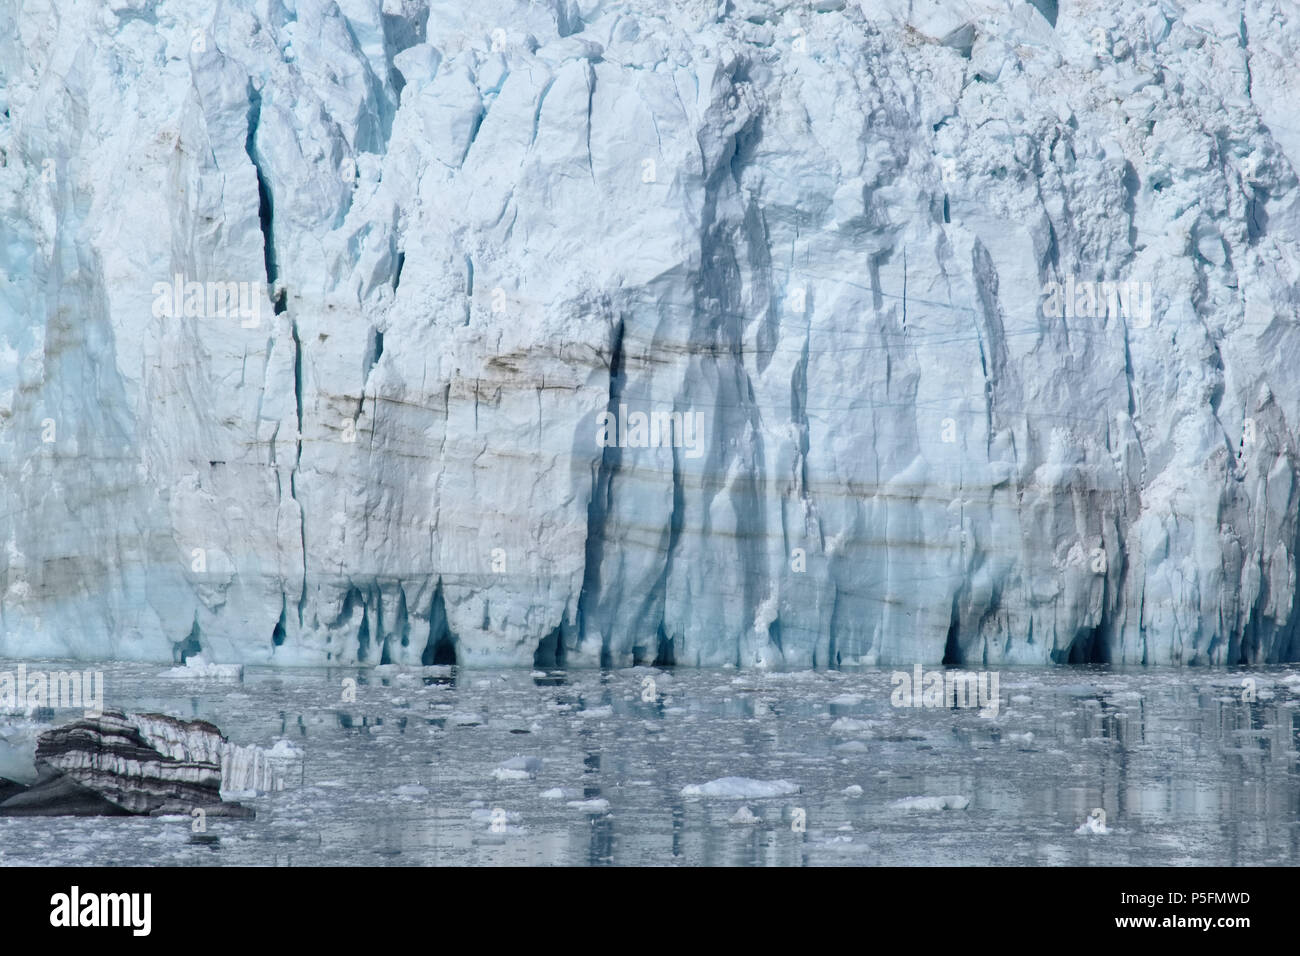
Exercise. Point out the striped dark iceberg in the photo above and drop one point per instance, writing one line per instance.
(121, 764)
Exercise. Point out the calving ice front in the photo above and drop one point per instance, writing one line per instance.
(946, 688)
(652, 430)
(26, 690)
(103, 909)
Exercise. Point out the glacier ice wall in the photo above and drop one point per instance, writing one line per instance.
(829, 230)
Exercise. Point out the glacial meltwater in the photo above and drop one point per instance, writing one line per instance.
(439, 766)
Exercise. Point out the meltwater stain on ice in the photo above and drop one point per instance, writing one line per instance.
(1084, 766)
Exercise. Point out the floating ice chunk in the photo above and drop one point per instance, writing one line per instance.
(846, 700)
(852, 790)
(740, 788)
(493, 815)
(255, 768)
(412, 790)
(518, 768)
(196, 668)
(951, 802)
(852, 727)
(465, 720)
(1095, 823)
(597, 713)
(561, 793)
(744, 817)
(597, 805)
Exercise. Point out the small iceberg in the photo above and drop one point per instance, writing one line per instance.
(740, 788)
(744, 817)
(518, 768)
(597, 805)
(1095, 823)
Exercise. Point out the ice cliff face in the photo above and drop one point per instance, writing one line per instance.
(476, 246)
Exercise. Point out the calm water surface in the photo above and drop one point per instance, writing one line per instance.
(1188, 768)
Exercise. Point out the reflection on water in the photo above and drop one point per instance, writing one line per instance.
(1189, 766)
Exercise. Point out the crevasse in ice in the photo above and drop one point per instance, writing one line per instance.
(986, 313)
